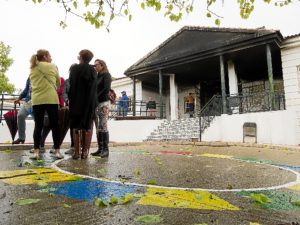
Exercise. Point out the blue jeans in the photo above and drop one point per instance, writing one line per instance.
(124, 111)
(23, 113)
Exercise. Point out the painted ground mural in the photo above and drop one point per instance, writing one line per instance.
(154, 184)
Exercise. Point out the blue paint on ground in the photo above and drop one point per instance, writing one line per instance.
(295, 168)
(89, 189)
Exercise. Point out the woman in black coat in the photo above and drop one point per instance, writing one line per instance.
(103, 87)
(82, 102)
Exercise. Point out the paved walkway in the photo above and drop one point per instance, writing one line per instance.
(154, 183)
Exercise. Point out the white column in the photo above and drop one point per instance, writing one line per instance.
(232, 77)
(173, 98)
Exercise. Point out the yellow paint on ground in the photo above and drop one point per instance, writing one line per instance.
(184, 199)
(295, 187)
(254, 223)
(217, 156)
(33, 176)
(13, 173)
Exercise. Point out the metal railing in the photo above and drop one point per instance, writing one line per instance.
(256, 102)
(7, 103)
(140, 109)
(209, 111)
(239, 104)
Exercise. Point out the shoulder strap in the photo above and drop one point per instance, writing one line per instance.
(52, 84)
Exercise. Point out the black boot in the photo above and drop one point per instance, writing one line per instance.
(18, 141)
(105, 150)
(100, 144)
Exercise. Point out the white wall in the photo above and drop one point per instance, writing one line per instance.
(120, 131)
(131, 130)
(276, 127)
(290, 56)
(126, 84)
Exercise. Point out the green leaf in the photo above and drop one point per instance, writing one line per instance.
(260, 198)
(75, 4)
(66, 206)
(296, 203)
(125, 199)
(27, 201)
(218, 22)
(152, 182)
(137, 172)
(143, 5)
(100, 202)
(102, 171)
(42, 184)
(86, 2)
(113, 200)
(76, 178)
(148, 219)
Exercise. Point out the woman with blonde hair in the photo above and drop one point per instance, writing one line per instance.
(45, 81)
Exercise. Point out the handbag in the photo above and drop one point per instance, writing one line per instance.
(28, 106)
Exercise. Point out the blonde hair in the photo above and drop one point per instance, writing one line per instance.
(38, 57)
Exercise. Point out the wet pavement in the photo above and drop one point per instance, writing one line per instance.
(154, 183)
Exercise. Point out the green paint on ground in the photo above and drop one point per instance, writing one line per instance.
(249, 159)
(148, 219)
(138, 152)
(278, 200)
(27, 201)
(7, 151)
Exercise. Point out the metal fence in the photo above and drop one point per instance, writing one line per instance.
(7, 103)
(256, 102)
(140, 109)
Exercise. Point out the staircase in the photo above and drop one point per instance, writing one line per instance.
(176, 130)
(188, 128)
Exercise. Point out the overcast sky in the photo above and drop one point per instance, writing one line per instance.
(27, 28)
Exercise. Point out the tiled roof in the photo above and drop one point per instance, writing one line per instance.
(191, 40)
(292, 36)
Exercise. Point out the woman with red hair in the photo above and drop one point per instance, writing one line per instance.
(82, 103)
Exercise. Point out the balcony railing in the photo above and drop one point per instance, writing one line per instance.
(140, 110)
(7, 103)
(256, 102)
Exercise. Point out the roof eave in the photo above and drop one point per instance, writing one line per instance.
(275, 37)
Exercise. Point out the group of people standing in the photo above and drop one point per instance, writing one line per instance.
(86, 95)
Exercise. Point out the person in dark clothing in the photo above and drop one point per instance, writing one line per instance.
(151, 107)
(65, 96)
(124, 103)
(103, 87)
(82, 102)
